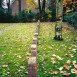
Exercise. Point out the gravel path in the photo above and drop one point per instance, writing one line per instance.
(7, 28)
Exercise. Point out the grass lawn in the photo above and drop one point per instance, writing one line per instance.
(53, 56)
(15, 49)
(3, 25)
(56, 57)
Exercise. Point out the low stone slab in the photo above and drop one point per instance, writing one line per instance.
(34, 47)
(32, 63)
(36, 34)
(34, 53)
(32, 60)
(37, 30)
(32, 70)
(35, 40)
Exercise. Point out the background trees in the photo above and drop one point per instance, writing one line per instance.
(46, 11)
(31, 4)
(0, 3)
(41, 7)
(8, 4)
(69, 6)
(70, 12)
(19, 5)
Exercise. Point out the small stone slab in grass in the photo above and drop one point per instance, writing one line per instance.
(34, 53)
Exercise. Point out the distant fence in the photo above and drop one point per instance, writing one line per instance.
(32, 63)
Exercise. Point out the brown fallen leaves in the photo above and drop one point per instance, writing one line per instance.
(68, 62)
(66, 67)
(74, 71)
(60, 69)
(75, 65)
(58, 57)
(53, 62)
(54, 73)
(8, 63)
(66, 74)
(43, 69)
(25, 72)
(69, 51)
(5, 66)
(28, 54)
(11, 73)
(22, 67)
(74, 62)
(37, 66)
(27, 58)
(4, 45)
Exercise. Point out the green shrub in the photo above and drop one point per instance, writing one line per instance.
(24, 16)
(2, 16)
(49, 15)
(71, 18)
(9, 17)
(15, 19)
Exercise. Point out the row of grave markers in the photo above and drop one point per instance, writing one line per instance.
(32, 63)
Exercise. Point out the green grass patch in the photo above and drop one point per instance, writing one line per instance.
(3, 25)
(15, 49)
(54, 54)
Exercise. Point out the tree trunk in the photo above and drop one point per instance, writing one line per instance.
(8, 6)
(43, 6)
(59, 14)
(0, 3)
(41, 9)
(19, 5)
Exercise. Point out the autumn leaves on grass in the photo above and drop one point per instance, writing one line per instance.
(64, 67)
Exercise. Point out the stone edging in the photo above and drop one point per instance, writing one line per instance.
(32, 63)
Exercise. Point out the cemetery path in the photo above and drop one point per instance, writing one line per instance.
(7, 28)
